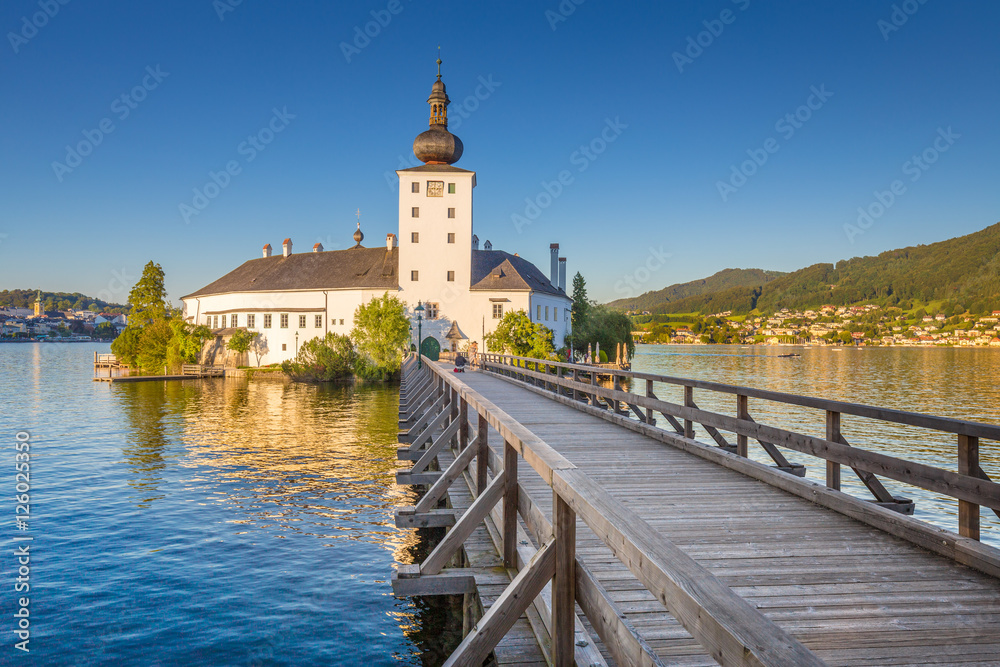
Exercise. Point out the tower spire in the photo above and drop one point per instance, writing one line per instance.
(437, 145)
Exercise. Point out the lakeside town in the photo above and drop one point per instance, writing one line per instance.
(69, 325)
(861, 325)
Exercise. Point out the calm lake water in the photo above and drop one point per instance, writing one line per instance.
(952, 382)
(225, 522)
(206, 522)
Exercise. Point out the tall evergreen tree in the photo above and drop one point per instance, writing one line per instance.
(148, 297)
(581, 305)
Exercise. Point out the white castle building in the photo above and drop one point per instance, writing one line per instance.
(435, 261)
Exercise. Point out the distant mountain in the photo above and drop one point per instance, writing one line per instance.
(963, 270)
(723, 280)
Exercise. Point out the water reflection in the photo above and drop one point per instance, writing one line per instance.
(951, 382)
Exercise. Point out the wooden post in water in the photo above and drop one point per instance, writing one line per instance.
(833, 435)
(968, 464)
(688, 403)
(742, 412)
(509, 506)
(564, 584)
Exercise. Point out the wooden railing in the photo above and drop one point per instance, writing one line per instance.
(201, 369)
(970, 485)
(730, 629)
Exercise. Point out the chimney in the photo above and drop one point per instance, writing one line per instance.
(475, 242)
(562, 273)
(554, 269)
(390, 242)
(318, 247)
(267, 250)
(286, 247)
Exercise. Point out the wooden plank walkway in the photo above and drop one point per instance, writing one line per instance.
(851, 593)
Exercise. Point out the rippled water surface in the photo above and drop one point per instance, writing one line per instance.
(950, 382)
(215, 522)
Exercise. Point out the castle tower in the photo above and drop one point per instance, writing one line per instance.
(435, 215)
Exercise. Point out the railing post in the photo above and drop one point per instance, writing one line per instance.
(649, 394)
(463, 428)
(564, 584)
(509, 506)
(688, 403)
(453, 398)
(968, 464)
(482, 453)
(593, 383)
(742, 412)
(616, 383)
(559, 377)
(833, 435)
(576, 379)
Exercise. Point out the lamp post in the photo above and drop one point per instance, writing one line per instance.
(419, 310)
(296, 343)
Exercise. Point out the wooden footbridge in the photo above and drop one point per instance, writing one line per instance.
(588, 526)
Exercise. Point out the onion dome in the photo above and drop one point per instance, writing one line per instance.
(359, 236)
(437, 145)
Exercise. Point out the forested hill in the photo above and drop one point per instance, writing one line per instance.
(963, 270)
(723, 280)
(25, 298)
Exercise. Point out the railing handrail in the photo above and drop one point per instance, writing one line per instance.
(727, 625)
(920, 419)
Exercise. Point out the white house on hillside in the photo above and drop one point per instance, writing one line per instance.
(435, 261)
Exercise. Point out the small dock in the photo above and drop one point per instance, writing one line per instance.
(111, 363)
(627, 541)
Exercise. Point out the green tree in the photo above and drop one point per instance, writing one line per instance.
(381, 332)
(581, 305)
(607, 327)
(241, 341)
(148, 297)
(518, 335)
(323, 359)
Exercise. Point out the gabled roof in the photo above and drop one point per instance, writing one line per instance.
(515, 273)
(354, 268)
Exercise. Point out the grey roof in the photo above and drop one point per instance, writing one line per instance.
(354, 268)
(516, 273)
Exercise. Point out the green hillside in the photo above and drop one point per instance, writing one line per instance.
(723, 280)
(963, 270)
(25, 298)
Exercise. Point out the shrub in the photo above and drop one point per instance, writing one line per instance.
(323, 359)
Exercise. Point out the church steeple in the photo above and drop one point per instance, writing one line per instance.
(437, 145)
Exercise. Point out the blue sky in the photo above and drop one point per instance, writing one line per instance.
(668, 122)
